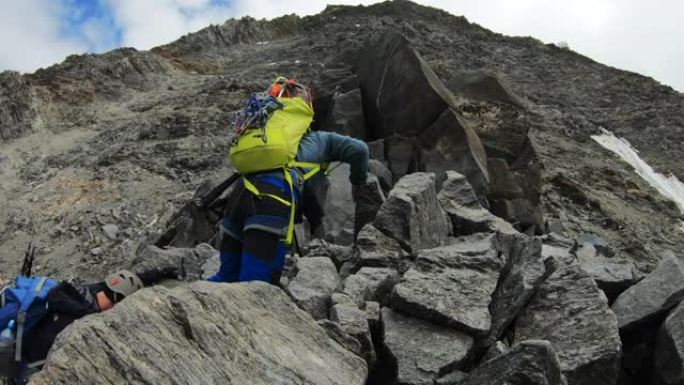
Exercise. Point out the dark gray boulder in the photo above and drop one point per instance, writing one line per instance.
(612, 275)
(371, 284)
(523, 274)
(452, 285)
(571, 312)
(411, 213)
(483, 86)
(464, 210)
(339, 207)
(651, 297)
(401, 93)
(423, 351)
(188, 261)
(527, 363)
(368, 198)
(376, 149)
(346, 114)
(450, 144)
(669, 349)
(400, 154)
(354, 322)
(220, 333)
(313, 285)
(378, 250)
(379, 169)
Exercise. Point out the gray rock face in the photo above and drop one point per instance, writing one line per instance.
(450, 144)
(313, 285)
(346, 114)
(669, 350)
(371, 284)
(612, 275)
(524, 273)
(464, 210)
(16, 112)
(388, 64)
(452, 285)
(423, 351)
(191, 259)
(401, 155)
(484, 86)
(659, 291)
(572, 313)
(411, 213)
(527, 363)
(379, 169)
(378, 250)
(180, 336)
(368, 198)
(354, 322)
(339, 208)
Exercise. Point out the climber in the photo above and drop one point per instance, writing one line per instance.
(50, 306)
(283, 165)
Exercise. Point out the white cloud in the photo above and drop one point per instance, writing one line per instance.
(30, 35)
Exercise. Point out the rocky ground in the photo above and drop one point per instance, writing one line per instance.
(492, 238)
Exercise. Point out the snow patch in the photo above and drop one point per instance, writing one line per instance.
(669, 186)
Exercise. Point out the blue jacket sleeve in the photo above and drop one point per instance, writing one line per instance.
(326, 147)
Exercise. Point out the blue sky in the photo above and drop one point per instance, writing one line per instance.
(635, 35)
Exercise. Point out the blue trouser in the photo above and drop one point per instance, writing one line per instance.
(253, 230)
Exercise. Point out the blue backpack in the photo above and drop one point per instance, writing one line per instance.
(25, 303)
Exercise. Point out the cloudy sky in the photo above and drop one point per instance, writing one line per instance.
(635, 35)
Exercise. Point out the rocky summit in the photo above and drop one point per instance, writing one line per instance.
(494, 243)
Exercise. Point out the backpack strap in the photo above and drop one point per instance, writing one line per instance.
(26, 302)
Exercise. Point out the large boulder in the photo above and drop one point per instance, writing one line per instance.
(401, 93)
(423, 351)
(346, 114)
(188, 261)
(313, 285)
(669, 349)
(527, 363)
(368, 198)
(651, 297)
(371, 284)
(452, 285)
(523, 274)
(612, 275)
(339, 207)
(466, 213)
(450, 144)
(201, 333)
(378, 250)
(412, 215)
(571, 312)
(354, 322)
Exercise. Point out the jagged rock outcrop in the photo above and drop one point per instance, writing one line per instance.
(422, 351)
(371, 284)
(16, 112)
(201, 332)
(313, 285)
(658, 292)
(378, 250)
(411, 213)
(669, 349)
(452, 285)
(571, 312)
(527, 363)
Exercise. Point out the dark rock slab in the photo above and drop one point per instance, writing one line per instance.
(411, 213)
(450, 144)
(527, 363)
(400, 154)
(313, 285)
(346, 115)
(571, 312)
(612, 275)
(187, 261)
(379, 169)
(371, 284)
(483, 86)
(452, 285)
(376, 149)
(669, 350)
(423, 351)
(354, 322)
(181, 336)
(378, 250)
(523, 274)
(368, 198)
(401, 93)
(651, 297)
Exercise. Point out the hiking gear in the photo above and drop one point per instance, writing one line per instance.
(123, 282)
(251, 243)
(273, 143)
(25, 303)
(29, 256)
